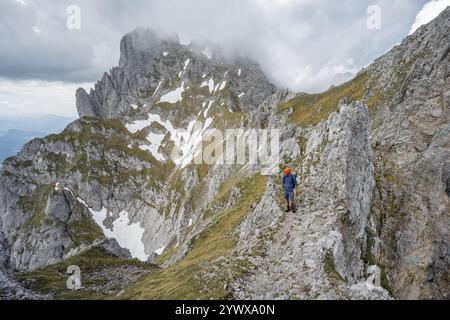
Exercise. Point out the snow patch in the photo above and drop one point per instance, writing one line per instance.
(155, 141)
(241, 95)
(136, 126)
(201, 110)
(205, 113)
(166, 124)
(173, 96)
(185, 140)
(159, 251)
(239, 72)
(128, 235)
(222, 85)
(157, 88)
(165, 53)
(211, 85)
(186, 63)
(82, 202)
(58, 187)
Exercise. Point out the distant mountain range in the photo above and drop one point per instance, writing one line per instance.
(15, 131)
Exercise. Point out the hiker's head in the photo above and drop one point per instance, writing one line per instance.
(287, 171)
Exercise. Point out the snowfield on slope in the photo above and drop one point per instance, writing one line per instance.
(173, 96)
(186, 140)
(128, 235)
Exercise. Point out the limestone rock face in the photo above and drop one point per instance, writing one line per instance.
(9, 288)
(112, 246)
(320, 247)
(372, 157)
(150, 64)
(54, 189)
(410, 138)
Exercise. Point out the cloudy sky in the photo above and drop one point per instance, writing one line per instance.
(305, 45)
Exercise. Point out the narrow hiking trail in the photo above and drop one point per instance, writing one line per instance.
(291, 265)
(318, 252)
(298, 261)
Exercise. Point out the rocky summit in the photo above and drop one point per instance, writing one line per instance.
(107, 195)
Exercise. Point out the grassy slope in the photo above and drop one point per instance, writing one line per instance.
(181, 280)
(52, 278)
(310, 109)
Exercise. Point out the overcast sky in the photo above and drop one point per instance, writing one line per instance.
(305, 45)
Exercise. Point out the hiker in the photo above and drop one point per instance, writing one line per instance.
(289, 185)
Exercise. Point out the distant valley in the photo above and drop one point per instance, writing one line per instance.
(15, 131)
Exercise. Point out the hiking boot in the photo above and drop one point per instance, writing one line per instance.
(293, 210)
(287, 209)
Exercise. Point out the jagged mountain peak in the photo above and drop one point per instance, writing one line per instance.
(143, 44)
(152, 65)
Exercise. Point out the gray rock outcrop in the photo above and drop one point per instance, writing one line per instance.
(150, 63)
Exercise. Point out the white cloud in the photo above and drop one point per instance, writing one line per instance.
(304, 45)
(28, 97)
(429, 12)
(22, 2)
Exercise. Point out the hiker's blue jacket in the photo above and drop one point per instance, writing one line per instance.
(289, 182)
